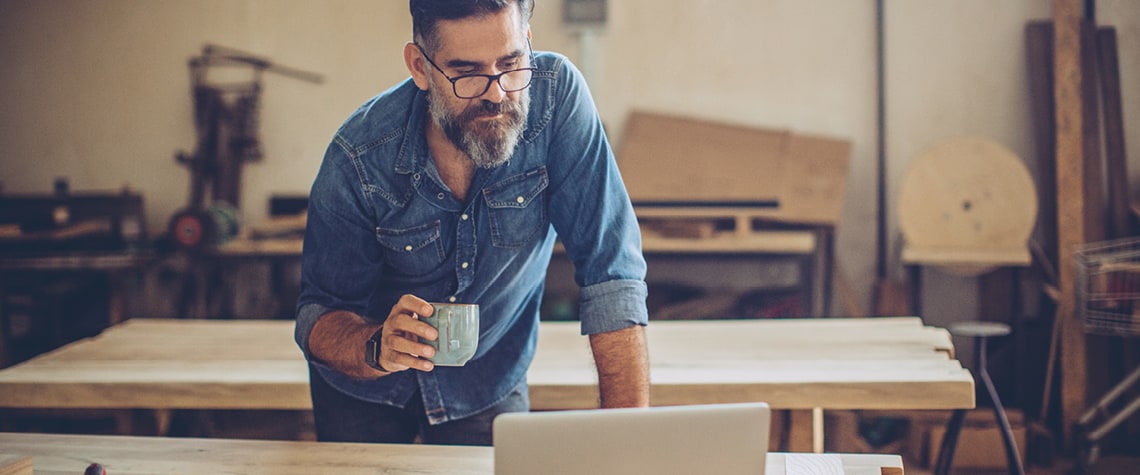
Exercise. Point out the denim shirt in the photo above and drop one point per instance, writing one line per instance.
(381, 223)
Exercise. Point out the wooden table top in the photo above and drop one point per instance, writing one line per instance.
(119, 455)
(868, 363)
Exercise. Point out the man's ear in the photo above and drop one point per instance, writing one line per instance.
(417, 65)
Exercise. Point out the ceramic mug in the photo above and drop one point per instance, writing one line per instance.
(458, 326)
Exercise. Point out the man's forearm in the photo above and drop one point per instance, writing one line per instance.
(338, 341)
(622, 358)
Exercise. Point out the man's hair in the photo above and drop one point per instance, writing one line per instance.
(427, 13)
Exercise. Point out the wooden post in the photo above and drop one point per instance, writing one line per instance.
(1080, 210)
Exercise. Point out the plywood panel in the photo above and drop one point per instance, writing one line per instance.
(685, 160)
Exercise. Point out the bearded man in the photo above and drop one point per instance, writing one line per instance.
(453, 186)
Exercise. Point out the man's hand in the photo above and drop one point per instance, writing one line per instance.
(400, 349)
(338, 340)
(622, 358)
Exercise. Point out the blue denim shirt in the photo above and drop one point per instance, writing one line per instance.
(381, 224)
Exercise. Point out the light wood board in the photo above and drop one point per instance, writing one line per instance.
(868, 363)
(70, 454)
(684, 160)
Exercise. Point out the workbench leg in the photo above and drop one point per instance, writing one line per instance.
(817, 430)
(800, 430)
(949, 443)
(5, 326)
(124, 422)
(162, 419)
(914, 274)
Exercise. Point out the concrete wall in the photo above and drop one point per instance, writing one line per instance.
(98, 90)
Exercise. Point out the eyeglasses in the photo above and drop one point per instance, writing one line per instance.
(471, 86)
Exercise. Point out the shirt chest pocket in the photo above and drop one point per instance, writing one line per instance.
(412, 251)
(517, 208)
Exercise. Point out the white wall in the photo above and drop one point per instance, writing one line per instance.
(98, 90)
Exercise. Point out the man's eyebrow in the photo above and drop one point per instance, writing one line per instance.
(463, 63)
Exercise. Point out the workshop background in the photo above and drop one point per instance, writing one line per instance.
(97, 96)
(99, 92)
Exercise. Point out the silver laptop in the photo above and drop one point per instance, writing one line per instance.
(725, 439)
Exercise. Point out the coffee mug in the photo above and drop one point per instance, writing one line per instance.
(458, 326)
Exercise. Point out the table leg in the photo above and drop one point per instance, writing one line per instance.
(4, 323)
(817, 430)
(949, 443)
(162, 419)
(800, 437)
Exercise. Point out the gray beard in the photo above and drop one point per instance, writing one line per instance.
(488, 144)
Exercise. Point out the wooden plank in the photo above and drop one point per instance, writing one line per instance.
(680, 160)
(15, 465)
(870, 363)
(772, 242)
(969, 257)
(70, 454)
(838, 362)
(1116, 162)
(799, 440)
(1039, 54)
(1079, 211)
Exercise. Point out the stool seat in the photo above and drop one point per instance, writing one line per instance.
(979, 329)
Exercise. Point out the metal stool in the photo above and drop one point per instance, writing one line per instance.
(981, 331)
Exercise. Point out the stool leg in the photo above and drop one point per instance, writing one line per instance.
(1011, 454)
(949, 443)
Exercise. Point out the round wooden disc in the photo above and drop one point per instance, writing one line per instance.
(967, 194)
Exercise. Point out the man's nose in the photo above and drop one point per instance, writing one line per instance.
(495, 92)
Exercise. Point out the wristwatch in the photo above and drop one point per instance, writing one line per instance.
(372, 350)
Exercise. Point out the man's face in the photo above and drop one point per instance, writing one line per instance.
(487, 128)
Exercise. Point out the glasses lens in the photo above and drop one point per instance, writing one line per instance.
(471, 86)
(468, 87)
(516, 80)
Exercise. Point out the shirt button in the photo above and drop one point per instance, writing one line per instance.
(463, 265)
(439, 196)
(408, 248)
(451, 299)
(463, 216)
(520, 199)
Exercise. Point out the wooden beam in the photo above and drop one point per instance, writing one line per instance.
(1080, 209)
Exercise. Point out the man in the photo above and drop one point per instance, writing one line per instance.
(451, 187)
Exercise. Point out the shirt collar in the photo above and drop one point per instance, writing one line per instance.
(413, 150)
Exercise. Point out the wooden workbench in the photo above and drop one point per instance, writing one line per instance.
(70, 454)
(871, 363)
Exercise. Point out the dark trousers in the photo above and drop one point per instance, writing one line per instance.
(342, 418)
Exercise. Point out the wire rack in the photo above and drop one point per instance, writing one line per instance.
(1108, 301)
(1108, 287)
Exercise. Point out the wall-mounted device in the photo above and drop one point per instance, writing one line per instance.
(584, 12)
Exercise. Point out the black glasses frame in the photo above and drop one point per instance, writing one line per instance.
(491, 78)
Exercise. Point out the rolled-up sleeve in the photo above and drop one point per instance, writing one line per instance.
(613, 305)
(307, 317)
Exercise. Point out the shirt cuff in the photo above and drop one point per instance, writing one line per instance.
(613, 305)
(306, 319)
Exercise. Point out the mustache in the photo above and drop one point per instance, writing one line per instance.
(483, 109)
(488, 109)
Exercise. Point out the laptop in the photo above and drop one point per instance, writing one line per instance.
(724, 439)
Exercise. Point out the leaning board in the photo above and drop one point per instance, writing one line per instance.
(691, 161)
